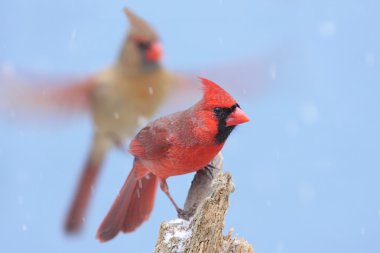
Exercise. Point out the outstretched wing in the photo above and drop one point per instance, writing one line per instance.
(244, 78)
(31, 95)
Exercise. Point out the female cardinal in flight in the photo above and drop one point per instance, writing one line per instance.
(120, 98)
(176, 144)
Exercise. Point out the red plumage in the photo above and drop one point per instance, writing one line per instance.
(176, 144)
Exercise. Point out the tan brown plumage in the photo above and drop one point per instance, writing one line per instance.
(123, 97)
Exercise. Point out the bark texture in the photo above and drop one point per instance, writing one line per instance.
(200, 230)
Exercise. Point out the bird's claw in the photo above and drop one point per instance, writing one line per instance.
(182, 214)
(208, 169)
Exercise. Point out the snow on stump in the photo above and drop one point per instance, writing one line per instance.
(201, 228)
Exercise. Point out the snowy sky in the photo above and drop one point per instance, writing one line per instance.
(306, 167)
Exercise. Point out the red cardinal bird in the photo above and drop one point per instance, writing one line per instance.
(177, 144)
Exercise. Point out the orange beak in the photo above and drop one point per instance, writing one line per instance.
(237, 117)
(154, 52)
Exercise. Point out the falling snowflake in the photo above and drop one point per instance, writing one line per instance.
(150, 90)
(20, 200)
(142, 121)
(306, 193)
(370, 59)
(280, 247)
(362, 230)
(292, 128)
(73, 38)
(327, 29)
(22, 176)
(41, 176)
(310, 113)
(273, 72)
(221, 41)
(7, 69)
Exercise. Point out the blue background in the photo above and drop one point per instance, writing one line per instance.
(306, 167)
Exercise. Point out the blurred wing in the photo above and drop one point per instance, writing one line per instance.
(245, 78)
(242, 78)
(35, 95)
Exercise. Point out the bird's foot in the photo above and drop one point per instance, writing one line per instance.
(186, 215)
(209, 170)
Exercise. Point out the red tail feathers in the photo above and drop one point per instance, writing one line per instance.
(74, 220)
(132, 206)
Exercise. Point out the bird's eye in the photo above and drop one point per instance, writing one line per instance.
(143, 45)
(217, 110)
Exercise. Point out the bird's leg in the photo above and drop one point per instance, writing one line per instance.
(164, 187)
